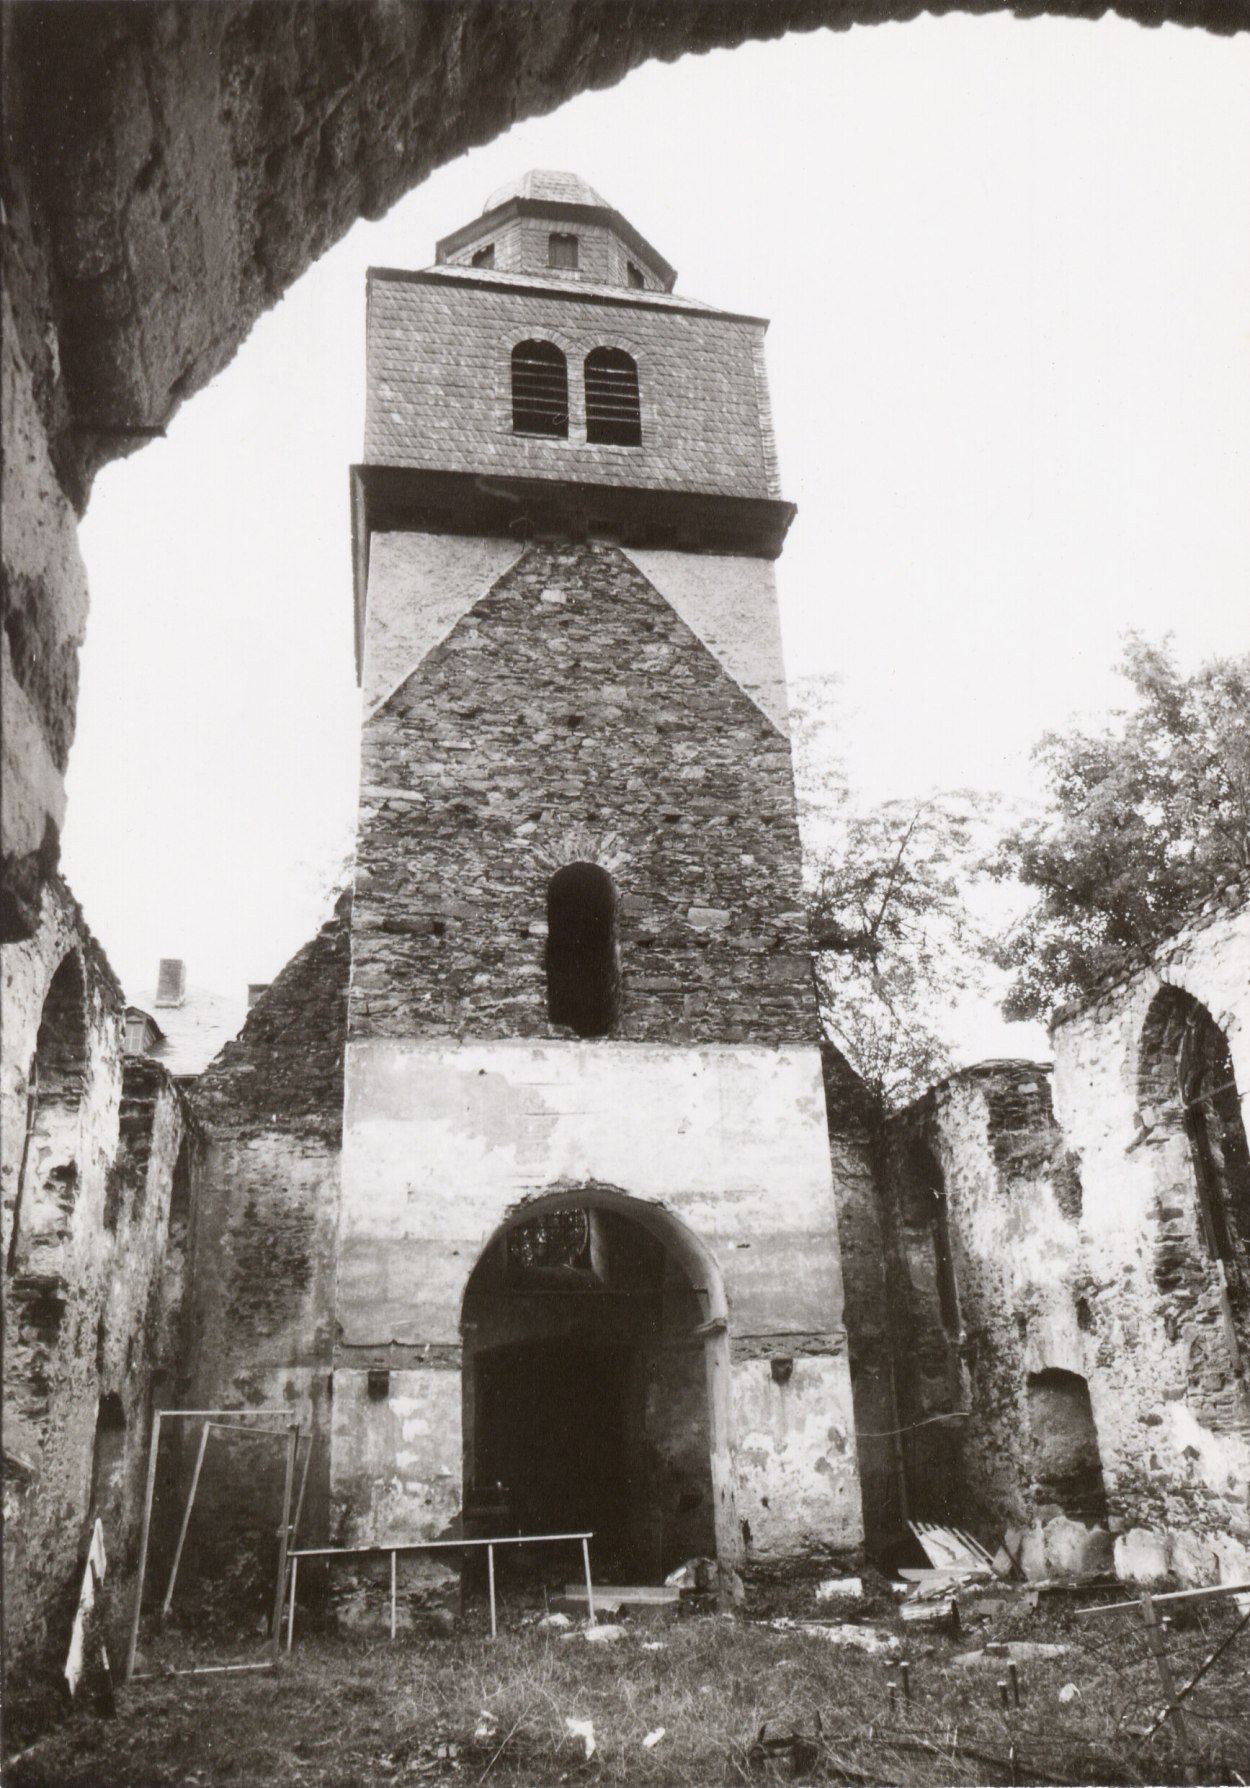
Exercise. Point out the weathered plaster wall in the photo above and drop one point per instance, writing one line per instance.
(572, 714)
(1173, 1412)
(93, 1267)
(444, 1141)
(1078, 1248)
(1016, 1251)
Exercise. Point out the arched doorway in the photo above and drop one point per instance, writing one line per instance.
(595, 1384)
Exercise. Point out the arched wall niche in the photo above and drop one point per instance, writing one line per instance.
(595, 1382)
(1192, 1115)
(49, 1171)
(172, 169)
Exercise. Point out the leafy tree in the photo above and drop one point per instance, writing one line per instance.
(895, 945)
(1145, 819)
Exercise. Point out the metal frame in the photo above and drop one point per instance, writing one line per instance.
(381, 1550)
(231, 1420)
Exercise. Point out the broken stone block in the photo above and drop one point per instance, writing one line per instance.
(1074, 1550)
(834, 1589)
(1141, 1556)
(1194, 1560)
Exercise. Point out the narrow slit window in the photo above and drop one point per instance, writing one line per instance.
(540, 389)
(613, 409)
(562, 251)
(583, 958)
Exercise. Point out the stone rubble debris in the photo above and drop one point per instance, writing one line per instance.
(834, 1589)
(583, 1729)
(869, 1639)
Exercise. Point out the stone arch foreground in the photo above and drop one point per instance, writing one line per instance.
(170, 169)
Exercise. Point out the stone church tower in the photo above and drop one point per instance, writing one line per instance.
(587, 1260)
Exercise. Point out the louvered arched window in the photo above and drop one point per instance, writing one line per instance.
(613, 410)
(540, 389)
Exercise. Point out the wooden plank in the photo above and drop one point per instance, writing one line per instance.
(655, 1593)
(945, 1546)
(1172, 1595)
(93, 1576)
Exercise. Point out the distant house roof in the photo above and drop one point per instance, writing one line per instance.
(188, 1036)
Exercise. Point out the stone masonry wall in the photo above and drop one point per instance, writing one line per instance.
(440, 386)
(1081, 1265)
(1175, 1415)
(571, 714)
(1015, 1247)
(93, 1264)
(261, 1319)
(854, 1122)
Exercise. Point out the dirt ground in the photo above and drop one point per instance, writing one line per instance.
(714, 1699)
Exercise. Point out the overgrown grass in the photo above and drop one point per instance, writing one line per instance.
(739, 1702)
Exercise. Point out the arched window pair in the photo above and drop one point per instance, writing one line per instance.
(540, 394)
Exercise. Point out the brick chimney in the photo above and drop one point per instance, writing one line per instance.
(171, 982)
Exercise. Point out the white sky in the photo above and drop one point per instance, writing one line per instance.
(1008, 271)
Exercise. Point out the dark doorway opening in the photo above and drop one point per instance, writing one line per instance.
(588, 1374)
(1066, 1463)
(556, 1427)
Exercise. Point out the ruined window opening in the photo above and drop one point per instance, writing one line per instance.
(561, 250)
(484, 257)
(1066, 1462)
(925, 1206)
(583, 959)
(613, 406)
(540, 389)
(108, 1465)
(1187, 1074)
(48, 1174)
(556, 1239)
(180, 1192)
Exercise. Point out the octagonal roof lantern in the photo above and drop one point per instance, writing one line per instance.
(553, 225)
(547, 185)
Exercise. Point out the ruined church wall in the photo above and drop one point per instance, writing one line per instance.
(1013, 1207)
(855, 1152)
(444, 1143)
(1077, 1249)
(260, 1314)
(93, 1278)
(1174, 1421)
